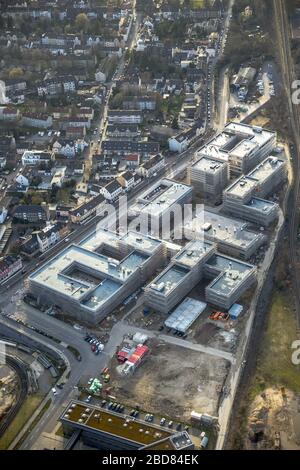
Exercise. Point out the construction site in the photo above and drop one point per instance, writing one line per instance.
(223, 333)
(165, 383)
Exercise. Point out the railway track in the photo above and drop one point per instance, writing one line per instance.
(20, 370)
(288, 72)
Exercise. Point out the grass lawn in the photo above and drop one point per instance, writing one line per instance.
(275, 366)
(29, 406)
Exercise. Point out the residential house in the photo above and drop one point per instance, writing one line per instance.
(78, 168)
(122, 131)
(63, 40)
(64, 147)
(112, 190)
(127, 147)
(126, 180)
(132, 160)
(58, 177)
(14, 85)
(95, 189)
(125, 117)
(38, 120)
(57, 86)
(100, 76)
(68, 122)
(152, 166)
(78, 132)
(36, 157)
(8, 113)
(9, 265)
(62, 212)
(31, 213)
(50, 235)
(95, 206)
(86, 112)
(180, 142)
(30, 247)
(142, 103)
(111, 51)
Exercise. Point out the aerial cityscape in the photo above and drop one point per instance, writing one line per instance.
(150, 227)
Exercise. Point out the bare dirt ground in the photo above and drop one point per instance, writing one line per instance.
(221, 335)
(8, 384)
(274, 411)
(172, 382)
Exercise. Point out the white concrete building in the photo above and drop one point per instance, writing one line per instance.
(36, 157)
(209, 176)
(241, 146)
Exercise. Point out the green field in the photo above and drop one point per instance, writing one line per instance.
(275, 367)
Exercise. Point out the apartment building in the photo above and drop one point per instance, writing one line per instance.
(36, 157)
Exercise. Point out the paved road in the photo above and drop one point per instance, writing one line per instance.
(89, 365)
(223, 100)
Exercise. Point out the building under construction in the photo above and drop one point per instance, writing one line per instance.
(199, 261)
(209, 177)
(90, 280)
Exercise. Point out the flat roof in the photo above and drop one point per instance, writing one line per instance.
(141, 241)
(232, 273)
(91, 417)
(242, 187)
(175, 442)
(160, 198)
(97, 238)
(136, 240)
(224, 229)
(262, 205)
(192, 253)
(169, 279)
(103, 292)
(238, 139)
(108, 275)
(209, 165)
(245, 147)
(185, 314)
(266, 169)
